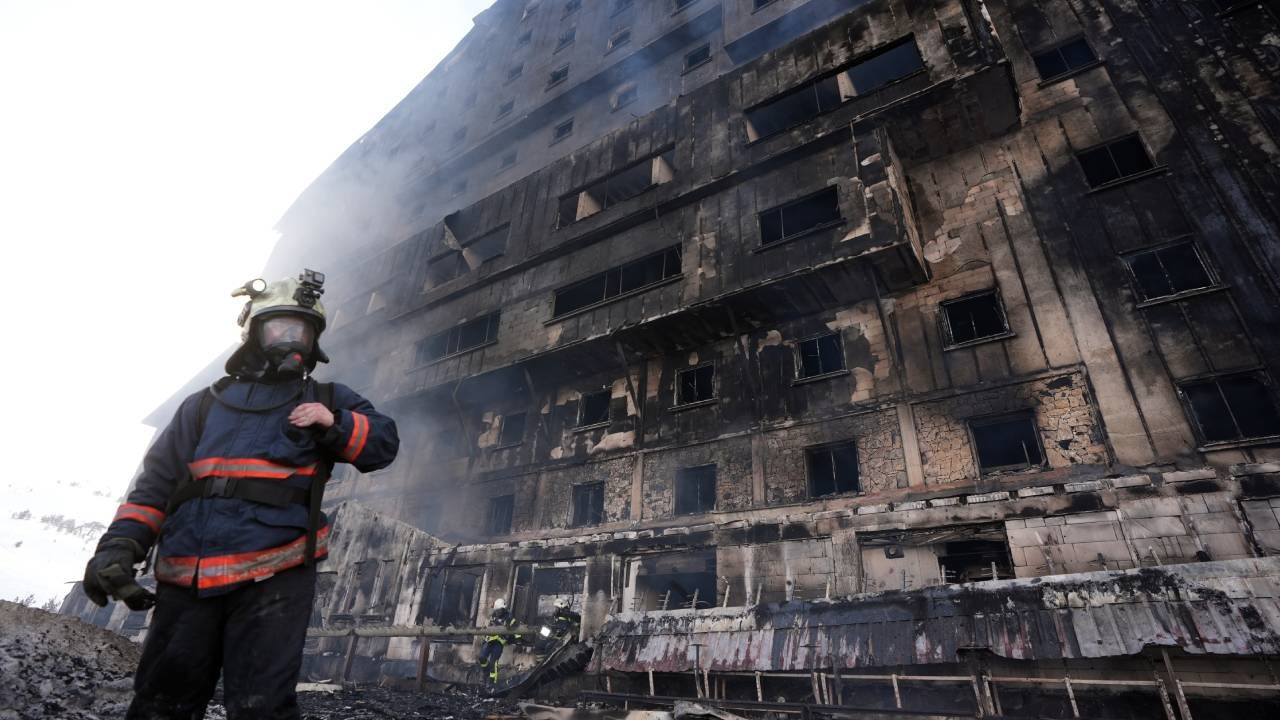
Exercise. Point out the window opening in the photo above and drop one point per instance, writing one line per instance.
(588, 504)
(682, 4)
(557, 76)
(695, 490)
(696, 384)
(525, 38)
(904, 559)
(622, 185)
(815, 97)
(450, 596)
(1114, 161)
(594, 408)
(973, 318)
(562, 131)
(538, 587)
(622, 37)
(625, 96)
(508, 160)
(617, 281)
(800, 216)
(1009, 442)
(1233, 407)
(821, 355)
(529, 9)
(501, 510)
(445, 267)
(515, 71)
(671, 581)
(512, 430)
(483, 248)
(697, 57)
(1064, 58)
(572, 7)
(505, 108)
(833, 469)
(459, 339)
(757, 4)
(566, 39)
(1168, 271)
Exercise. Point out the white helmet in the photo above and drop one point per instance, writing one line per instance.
(561, 603)
(500, 604)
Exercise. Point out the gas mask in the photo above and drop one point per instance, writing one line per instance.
(286, 341)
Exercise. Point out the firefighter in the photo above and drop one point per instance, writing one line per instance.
(490, 653)
(232, 490)
(564, 620)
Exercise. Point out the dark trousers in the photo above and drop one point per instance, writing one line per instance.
(253, 636)
(489, 655)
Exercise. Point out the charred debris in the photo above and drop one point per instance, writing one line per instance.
(913, 355)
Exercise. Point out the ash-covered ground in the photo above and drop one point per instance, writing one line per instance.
(57, 666)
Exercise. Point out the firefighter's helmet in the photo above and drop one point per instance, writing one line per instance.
(297, 297)
(500, 604)
(561, 604)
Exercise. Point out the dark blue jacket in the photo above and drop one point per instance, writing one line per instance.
(218, 543)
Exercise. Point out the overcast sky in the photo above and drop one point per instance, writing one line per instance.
(146, 151)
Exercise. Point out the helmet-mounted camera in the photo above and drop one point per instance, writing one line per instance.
(310, 288)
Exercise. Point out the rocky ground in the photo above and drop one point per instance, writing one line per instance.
(56, 666)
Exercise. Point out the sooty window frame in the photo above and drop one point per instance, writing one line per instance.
(562, 131)
(703, 378)
(624, 96)
(695, 490)
(949, 325)
(616, 188)
(978, 437)
(504, 433)
(593, 408)
(515, 71)
(558, 76)
(618, 39)
(505, 109)
(508, 161)
(1198, 395)
(777, 216)
(1101, 164)
(587, 504)
(830, 455)
(616, 283)
(501, 514)
(822, 351)
(567, 38)
(692, 62)
(1066, 55)
(480, 332)
(1158, 259)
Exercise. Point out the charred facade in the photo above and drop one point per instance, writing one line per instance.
(730, 319)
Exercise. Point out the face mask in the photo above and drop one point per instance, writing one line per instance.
(286, 341)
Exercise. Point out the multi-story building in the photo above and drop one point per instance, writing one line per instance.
(799, 340)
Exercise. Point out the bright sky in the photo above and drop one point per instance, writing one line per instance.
(146, 151)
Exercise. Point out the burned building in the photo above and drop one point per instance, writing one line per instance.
(904, 353)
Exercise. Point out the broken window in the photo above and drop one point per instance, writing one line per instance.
(594, 408)
(1114, 161)
(1064, 58)
(538, 587)
(697, 57)
(973, 318)
(905, 559)
(512, 430)
(797, 217)
(696, 384)
(450, 596)
(459, 339)
(1168, 271)
(695, 490)
(671, 581)
(622, 37)
(515, 71)
(505, 109)
(1007, 442)
(815, 97)
(562, 131)
(833, 469)
(566, 39)
(1232, 407)
(625, 96)
(622, 185)
(485, 247)
(572, 7)
(588, 504)
(615, 282)
(557, 76)
(821, 355)
(501, 510)
(445, 267)
(508, 160)
(757, 4)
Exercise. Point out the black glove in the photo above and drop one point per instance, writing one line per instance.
(110, 573)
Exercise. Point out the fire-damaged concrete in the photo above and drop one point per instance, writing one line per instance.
(812, 347)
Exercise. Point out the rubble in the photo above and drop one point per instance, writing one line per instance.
(377, 703)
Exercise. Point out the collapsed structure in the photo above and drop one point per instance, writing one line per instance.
(816, 348)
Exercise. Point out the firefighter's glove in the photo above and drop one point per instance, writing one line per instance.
(110, 574)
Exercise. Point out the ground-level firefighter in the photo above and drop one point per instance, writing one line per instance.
(232, 489)
(564, 620)
(491, 652)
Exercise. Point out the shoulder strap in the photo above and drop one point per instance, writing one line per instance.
(324, 394)
(206, 405)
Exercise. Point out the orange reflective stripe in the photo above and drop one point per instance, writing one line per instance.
(144, 514)
(246, 467)
(229, 569)
(359, 435)
(176, 570)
